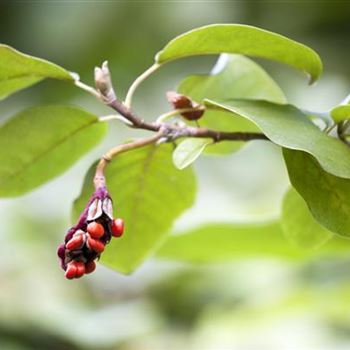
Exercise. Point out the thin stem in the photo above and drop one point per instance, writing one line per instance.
(217, 136)
(137, 82)
(164, 132)
(330, 128)
(99, 179)
(173, 132)
(164, 117)
(89, 89)
(131, 116)
(342, 126)
(108, 118)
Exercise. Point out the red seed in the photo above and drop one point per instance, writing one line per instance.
(71, 270)
(117, 227)
(95, 230)
(80, 269)
(76, 242)
(90, 266)
(95, 245)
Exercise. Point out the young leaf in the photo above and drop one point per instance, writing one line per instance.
(298, 224)
(233, 77)
(40, 143)
(246, 40)
(340, 113)
(327, 196)
(287, 126)
(18, 71)
(188, 151)
(149, 194)
(226, 242)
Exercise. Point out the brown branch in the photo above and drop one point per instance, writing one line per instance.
(163, 130)
(131, 116)
(174, 132)
(217, 136)
(167, 132)
(106, 93)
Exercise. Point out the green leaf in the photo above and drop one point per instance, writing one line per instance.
(340, 113)
(287, 126)
(319, 116)
(233, 77)
(327, 196)
(188, 151)
(226, 242)
(149, 194)
(18, 71)
(246, 40)
(40, 143)
(223, 121)
(299, 226)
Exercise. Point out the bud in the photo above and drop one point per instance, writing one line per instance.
(103, 82)
(85, 241)
(180, 101)
(194, 115)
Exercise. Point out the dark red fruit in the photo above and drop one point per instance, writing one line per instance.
(76, 242)
(95, 230)
(117, 227)
(95, 245)
(80, 269)
(75, 269)
(71, 270)
(90, 266)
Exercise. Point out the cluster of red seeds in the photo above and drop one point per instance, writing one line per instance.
(84, 247)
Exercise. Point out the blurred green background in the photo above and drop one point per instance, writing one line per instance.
(250, 304)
